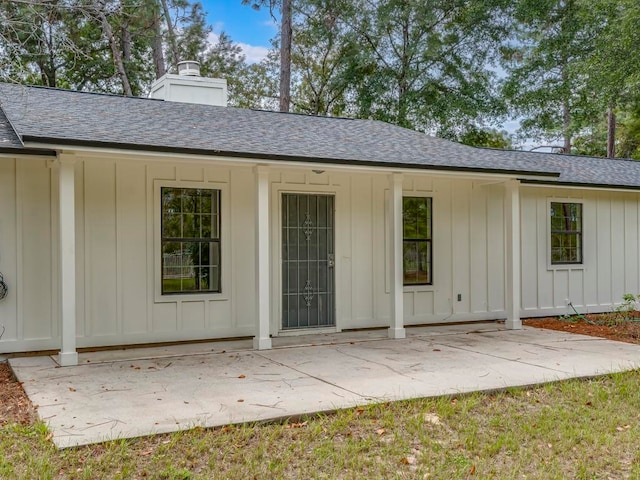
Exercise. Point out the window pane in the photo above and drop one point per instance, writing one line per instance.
(190, 246)
(417, 262)
(410, 263)
(566, 232)
(416, 219)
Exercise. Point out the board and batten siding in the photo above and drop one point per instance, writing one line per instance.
(117, 253)
(611, 256)
(468, 247)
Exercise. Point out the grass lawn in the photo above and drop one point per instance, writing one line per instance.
(586, 429)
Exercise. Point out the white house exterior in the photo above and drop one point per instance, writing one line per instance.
(310, 225)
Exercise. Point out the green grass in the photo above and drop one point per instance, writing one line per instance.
(584, 429)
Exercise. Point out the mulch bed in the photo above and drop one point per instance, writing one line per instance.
(621, 331)
(15, 406)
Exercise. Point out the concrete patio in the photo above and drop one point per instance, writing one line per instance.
(134, 392)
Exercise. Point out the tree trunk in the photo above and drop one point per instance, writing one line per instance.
(285, 56)
(611, 133)
(173, 47)
(566, 127)
(156, 46)
(117, 57)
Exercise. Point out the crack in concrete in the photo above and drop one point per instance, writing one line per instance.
(504, 358)
(380, 364)
(322, 380)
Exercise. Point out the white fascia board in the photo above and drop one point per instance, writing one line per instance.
(171, 157)
(564, 186)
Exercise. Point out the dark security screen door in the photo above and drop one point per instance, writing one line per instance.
(308, 291)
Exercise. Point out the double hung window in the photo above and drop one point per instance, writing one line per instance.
(417, 235)
(190, 240)
(566, 233)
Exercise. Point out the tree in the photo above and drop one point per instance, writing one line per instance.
(490, 138)
(613, 66)
(286, 33)
(424, 65)
(319, 58)
(546, 84)
(34, 46)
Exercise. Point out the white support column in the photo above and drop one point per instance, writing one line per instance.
(512, 202)
(262, 341)
(66, 181)
(396, 329)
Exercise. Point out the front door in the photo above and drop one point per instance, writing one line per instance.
(308, 283)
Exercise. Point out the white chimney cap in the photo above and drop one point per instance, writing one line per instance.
(189, 68)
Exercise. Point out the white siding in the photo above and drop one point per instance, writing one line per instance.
(611, 252)
(118, 299)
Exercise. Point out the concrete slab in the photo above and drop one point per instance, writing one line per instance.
(128, 393)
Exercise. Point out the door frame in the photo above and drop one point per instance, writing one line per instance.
(276, 256)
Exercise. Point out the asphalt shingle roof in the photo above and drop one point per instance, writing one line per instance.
(8, 138)
(60, 116)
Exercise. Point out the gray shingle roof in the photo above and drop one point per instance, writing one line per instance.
(8, 138)
(77, 118)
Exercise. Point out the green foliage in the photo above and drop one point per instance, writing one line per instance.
(423, 65)
(626, 310)
(568, 62)
(483, 137)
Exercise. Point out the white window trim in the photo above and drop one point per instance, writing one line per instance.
(547, 230)
(225, 243)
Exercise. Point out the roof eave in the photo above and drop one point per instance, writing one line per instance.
(580, 185)
(276, 157)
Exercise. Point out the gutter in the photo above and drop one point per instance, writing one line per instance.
(581, 185)
(276, 157)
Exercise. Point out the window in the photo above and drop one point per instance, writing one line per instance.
(566, 233)
(417, 252)
(190, 240)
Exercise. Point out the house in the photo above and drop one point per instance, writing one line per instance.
(131, 220)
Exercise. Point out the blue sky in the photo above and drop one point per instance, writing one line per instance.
(250, 28)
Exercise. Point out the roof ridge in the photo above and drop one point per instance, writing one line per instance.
(66, 90)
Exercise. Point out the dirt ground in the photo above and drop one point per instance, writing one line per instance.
(15, 407)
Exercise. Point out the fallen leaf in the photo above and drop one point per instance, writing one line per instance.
(242, 376)
(473, 470)
(454, 401)
(359, 411)
(437, 350)
(408, 460)
(240, 400)
(146, 452)
(380, 431)
(71, 389)
(296, 425)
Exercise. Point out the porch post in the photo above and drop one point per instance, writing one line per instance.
(262, 341)
(512, 201)
(66, 181)
(396, 329)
